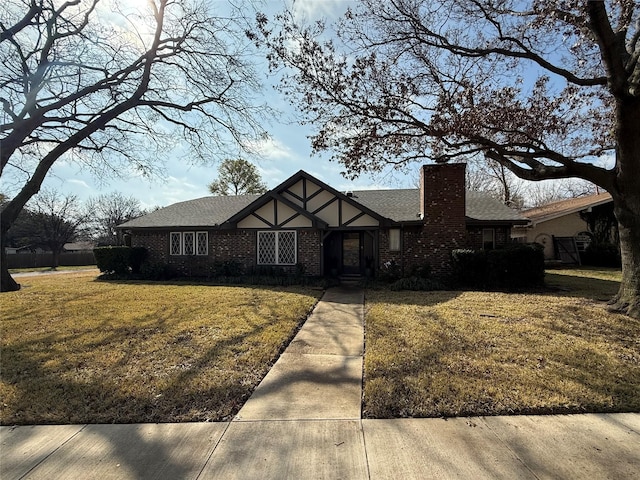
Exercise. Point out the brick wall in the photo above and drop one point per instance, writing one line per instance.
(309, 251)
(226, 245)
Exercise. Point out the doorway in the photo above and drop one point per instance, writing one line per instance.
(351, 253)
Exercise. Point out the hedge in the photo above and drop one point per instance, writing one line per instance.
(120, 260)
(513, 267)
(602, 255)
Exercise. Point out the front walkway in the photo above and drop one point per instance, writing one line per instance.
(319, 375)
(303, 422)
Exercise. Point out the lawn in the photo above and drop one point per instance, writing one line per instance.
(488, 353)
(77, 350)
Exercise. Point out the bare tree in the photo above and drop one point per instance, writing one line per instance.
(114, 89)
(106, 212)
(59, 219)
(496, 180)
(547, 89)
(237, 177)
(541, 193)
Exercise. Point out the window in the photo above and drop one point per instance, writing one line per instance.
(202, 245)
(488, 238)
(175, 243)
(189, 243)
(394, 239)
(277, 248)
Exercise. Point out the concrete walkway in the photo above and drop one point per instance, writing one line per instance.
(303, 422)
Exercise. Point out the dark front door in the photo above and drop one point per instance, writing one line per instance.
(351, 242)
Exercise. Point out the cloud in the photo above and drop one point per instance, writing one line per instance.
(317, 9)
(272, 149)
(80, 183)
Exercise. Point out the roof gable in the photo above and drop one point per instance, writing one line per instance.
(300, 197)
(561, 208)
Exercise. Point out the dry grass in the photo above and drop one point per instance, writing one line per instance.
(76, 350)
(487, 353)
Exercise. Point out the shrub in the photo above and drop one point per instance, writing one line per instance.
(468, 267)
(137, 257)
(227, 268)
(390, 272)
(602, 255)
(268, 271)
(416, 284)
(158, 271)
(517, 266)
(113, 260)
(421, 271)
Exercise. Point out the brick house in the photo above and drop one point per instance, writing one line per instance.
(305, 222)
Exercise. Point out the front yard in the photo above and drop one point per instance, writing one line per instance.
(486, 353)
(76, 350)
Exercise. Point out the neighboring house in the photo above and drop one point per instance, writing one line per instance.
(562, 226)
(77, 247)
(24, 250)
(304, 222)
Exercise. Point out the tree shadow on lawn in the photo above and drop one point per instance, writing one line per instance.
(441, 369)
(427, 384)
(282, 283)
(590, 288)
(84, 393)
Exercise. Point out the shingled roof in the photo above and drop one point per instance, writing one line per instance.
(201, 212)
(565, 207)
(402, 206)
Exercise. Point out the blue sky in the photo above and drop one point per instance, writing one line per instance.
(285, 153)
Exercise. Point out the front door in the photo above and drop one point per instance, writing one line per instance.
(351, 252)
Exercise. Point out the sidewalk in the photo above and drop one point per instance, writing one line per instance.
(303, 422)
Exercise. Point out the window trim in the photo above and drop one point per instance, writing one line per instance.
(199, 253)
(181, 244)
(171, 251)
(276, 255)
(193, 243)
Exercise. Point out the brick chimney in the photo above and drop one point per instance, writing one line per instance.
(442, 194)
(442, 207)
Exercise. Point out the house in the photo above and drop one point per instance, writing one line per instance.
(566, 227)
(305, 222)
(79, 247)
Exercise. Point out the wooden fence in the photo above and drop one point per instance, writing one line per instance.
(37, 260)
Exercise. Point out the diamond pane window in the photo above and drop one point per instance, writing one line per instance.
(267, 248)
(277, 248)
(188, 243)
(175, 241)
(202, 243)
(287, 248)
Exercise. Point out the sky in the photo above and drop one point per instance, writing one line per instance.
(287, 151)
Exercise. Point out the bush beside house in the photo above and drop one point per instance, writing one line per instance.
(513, 267)
(120, 260)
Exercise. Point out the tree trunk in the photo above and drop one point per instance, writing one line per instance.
(7, 283)
(626, 204)
(627, 299)
(55, 259)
